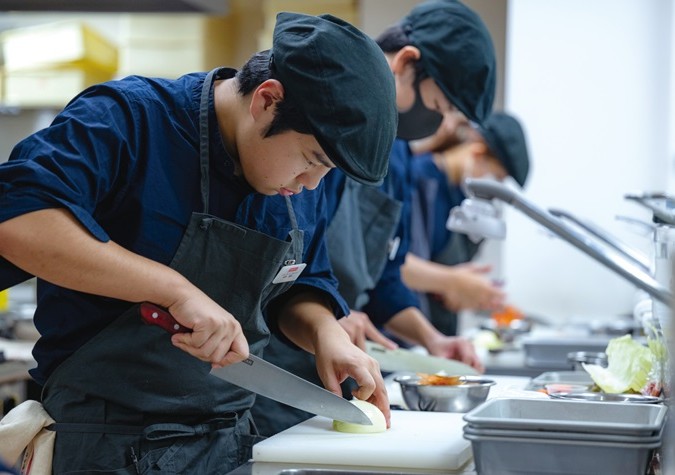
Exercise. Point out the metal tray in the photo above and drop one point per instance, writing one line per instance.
(569, 416)
(477, 431)
(561, 377)
(519, 455)
(607, 397)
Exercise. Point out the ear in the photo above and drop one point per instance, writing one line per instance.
(478, 151)
(265, 98)
(402, 66)
(406, 56)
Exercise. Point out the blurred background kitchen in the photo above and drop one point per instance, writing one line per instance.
(593, 83)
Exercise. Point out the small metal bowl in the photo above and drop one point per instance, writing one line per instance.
(470, 393)
(576, 358)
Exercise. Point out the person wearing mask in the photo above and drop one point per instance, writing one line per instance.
(439, 264)
(442, 58)
(188, 193)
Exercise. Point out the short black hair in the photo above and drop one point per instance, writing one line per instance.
(287, 115)
(393, 39)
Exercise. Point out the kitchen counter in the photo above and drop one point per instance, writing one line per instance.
(507, 386)
(257, 468)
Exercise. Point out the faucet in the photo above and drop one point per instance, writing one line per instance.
(661, 205)
(490, 189)
(634, 255)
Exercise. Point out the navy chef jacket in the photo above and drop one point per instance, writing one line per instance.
(447, 197)
(390, 294)
(123, 158)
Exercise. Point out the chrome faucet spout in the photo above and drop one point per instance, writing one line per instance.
(620, 264)
(634, 255)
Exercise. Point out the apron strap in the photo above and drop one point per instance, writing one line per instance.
(95, 428)
(204, 135)
(298, 245)
(151, 432)
(172, 430)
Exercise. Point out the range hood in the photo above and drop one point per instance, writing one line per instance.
(211, 7)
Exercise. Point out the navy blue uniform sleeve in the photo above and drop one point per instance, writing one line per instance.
(75, 163)
(390, 294)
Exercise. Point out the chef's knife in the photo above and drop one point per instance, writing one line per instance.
(266, 379)
(407, 360)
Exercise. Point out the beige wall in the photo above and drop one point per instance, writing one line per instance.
(246, 29)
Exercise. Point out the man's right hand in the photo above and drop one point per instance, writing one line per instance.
(216, 336)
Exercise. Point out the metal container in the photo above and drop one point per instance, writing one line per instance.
(569, 416)
(519, 455)
(576, 358)
(472, 430)
(463, 397)
(605, 397)
(551, 353)
(518, 436)
(561, 377)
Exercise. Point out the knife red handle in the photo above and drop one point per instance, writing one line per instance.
(155, 315)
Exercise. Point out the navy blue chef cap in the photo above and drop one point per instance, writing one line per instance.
(457, 52)
(505, 138)
(342, 83)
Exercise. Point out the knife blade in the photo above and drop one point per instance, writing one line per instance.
(266, 379)
(407, 360)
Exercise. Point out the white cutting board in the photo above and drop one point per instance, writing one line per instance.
(416, 440)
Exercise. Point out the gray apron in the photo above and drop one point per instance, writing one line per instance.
(358, 263)
(128, 401)
(459, 249)
(357, 239)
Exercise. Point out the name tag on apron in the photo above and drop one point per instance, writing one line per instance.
(393, 247)
(289, 273)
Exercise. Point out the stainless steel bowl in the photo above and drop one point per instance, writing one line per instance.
(471, 392)
(589, 357)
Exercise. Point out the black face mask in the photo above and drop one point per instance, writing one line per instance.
(418, 121)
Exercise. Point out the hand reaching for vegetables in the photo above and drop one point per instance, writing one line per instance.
(455, 348)
(469, 288)
(359, 328)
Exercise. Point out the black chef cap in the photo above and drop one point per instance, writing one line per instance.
(505, 138)
(340, 80)
(457, 52)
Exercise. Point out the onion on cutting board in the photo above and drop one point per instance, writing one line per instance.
(373, 413)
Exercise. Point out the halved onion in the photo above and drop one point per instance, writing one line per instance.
(373, 413)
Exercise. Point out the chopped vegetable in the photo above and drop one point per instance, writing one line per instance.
(438, 380)
(629, 365)
(506, 315)
(373, 413)
(488, 339)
